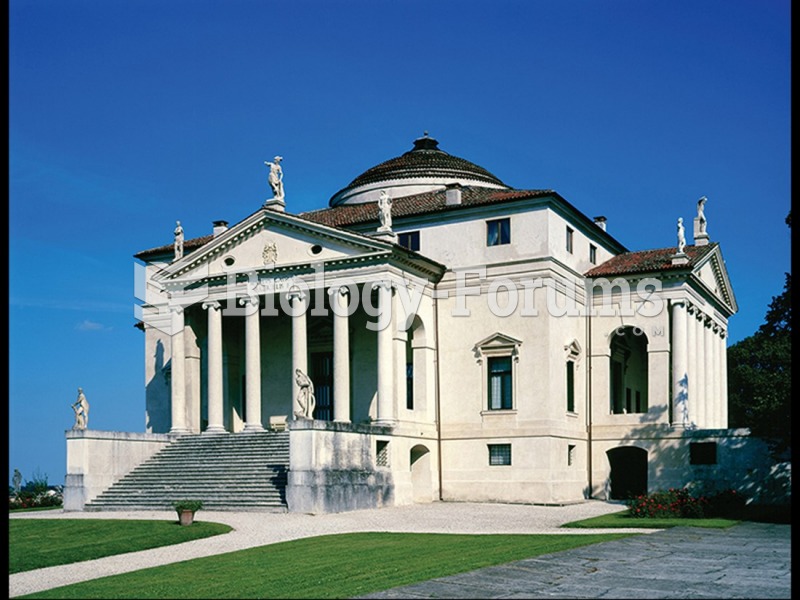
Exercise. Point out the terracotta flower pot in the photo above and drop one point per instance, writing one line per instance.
(186, 517)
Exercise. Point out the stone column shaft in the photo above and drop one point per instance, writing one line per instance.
(708, 367)
(717, 366)
(178, 376)
(341, 356)
(299, 346)
(385, 358)
(691, 366)
(724, 377)
(215, 422)
(252, 359)
(699, 393)
(679, 374)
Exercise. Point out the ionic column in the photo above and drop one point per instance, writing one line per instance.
(692, 365)
(385, 358)
(252, 361)
(679, 375)
(724, 378)
(215, 422)
(708, 367)
(178, 377)
(716, 366)
(299, 304)
(341, 354)
(699, 388)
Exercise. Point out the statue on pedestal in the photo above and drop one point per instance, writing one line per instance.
(385, 211)
(81, 408)
(681, 236)
(178, 240)
(276, 177)
(305, 397)
(701, 215)
(17, 481)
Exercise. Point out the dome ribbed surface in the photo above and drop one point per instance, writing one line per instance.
(427, 161)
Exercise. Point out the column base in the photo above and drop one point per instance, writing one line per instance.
(385, 422)
(214, 429)
(250, 427)
(179, 431)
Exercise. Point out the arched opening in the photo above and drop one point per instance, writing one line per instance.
(421, 476)
(628, 375)
(416, 369)
(628, 472)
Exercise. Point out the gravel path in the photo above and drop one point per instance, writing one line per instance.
(252, 529)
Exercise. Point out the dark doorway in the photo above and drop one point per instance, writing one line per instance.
(628, 472)
(322, 376)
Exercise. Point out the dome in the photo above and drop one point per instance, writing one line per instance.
(422, 169)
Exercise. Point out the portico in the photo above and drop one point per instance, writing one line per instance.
(255, 329)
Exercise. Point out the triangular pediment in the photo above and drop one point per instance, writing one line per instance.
(271, 240)
(498, 340)
(712, 275)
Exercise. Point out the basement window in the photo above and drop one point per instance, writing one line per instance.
(499, 454)
(382, 453)
(703, 453)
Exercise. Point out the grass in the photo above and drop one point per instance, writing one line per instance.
(623, 519)
(37, 543)
(331, 566)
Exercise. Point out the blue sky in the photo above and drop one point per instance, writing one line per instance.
(127, 116)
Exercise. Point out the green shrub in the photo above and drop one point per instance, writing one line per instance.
(192, 505)
(679, 502)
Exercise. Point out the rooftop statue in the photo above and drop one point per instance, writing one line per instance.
(276, 177)
(385, 211)
(681, 236)
(701, 215)
(178, 240)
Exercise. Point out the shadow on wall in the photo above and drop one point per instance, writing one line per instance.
(705, 460)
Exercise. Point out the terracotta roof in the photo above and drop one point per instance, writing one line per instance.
(418, 204)
(646, 261)
(425, 160)
(188, 246)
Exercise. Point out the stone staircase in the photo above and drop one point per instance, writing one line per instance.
(240, 471)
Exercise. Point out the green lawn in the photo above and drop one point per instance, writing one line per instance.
(37, 543)
(332, 566)
(622, 519)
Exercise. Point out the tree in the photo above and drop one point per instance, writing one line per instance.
(760, 375)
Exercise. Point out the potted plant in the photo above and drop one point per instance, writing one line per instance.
(186, 510)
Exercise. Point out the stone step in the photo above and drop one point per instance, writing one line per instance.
(225, 472)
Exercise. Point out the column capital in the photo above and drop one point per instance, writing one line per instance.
(680, 302)
(212, 304)
(385, 284)
(250, 300)
(296, 294)
(342, 290)
(177, 309)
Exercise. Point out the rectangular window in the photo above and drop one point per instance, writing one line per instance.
(570, 386)
(499, 454)
(410, 386)
(570, 231)
(570, 454)
(593, 254)
(498, 232)
(500, 383)
(703, 453)
(639, 407)
(382, 453)
(628, 405)
(409, 239)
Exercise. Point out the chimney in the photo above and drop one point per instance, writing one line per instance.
(220, 227)
(452, 194)
(600, 222)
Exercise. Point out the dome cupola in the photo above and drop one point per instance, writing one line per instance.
(422, 169)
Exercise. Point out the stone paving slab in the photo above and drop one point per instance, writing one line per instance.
(750, 560)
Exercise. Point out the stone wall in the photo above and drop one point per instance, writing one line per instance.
(336, 467)
(98, 459)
